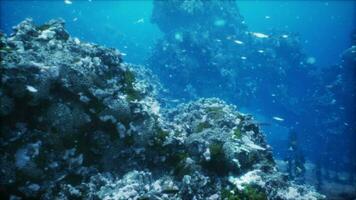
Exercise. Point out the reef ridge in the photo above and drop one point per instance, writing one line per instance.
(80, 123)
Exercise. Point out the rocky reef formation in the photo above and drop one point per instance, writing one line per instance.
(334, 104)
(79, 123)
(211, 51)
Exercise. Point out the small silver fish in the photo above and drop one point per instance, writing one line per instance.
(278, 119)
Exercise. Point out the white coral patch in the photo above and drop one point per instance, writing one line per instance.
(248, 178)
(293, 193)
(76, 41)
(251, 144)
(155, 107)
(47, 34)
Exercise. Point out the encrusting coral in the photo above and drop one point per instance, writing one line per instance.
(79, 123)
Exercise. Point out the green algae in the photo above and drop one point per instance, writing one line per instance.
(6, 49)
(215, 112)
(237, 133)
(178, 161)
(217, 163)
(129, 140)
(250, 192)
(128, 80)
(202, 126)
(43, 27)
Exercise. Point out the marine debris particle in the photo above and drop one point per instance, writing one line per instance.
(219, 22)
(178, 36)
(68, 2)
(260, 35)
(284, 36)
(311, 60)
(278, 119)
(31, 89)
(243, 57)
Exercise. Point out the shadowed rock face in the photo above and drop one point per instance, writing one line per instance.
(186, 14)
(79, 123)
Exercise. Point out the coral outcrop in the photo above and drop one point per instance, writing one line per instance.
(209, 50)
(79, 123)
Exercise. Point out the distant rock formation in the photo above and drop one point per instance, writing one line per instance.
(79, 123)
(207, 50)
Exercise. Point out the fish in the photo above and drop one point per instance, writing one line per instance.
(260, 35)
(68, 2)
(140, 21)
(31, 89)
(238, 42)
(278, 119)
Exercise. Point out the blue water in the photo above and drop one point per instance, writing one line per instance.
(114, 23)
(324, 28)
(109, 23)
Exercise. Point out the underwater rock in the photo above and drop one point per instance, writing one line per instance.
(210, 50)
(188, 12)
(59, 93)
(79, 123)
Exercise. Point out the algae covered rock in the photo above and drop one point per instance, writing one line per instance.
(220, 138)
(59, 95)
(79, 123)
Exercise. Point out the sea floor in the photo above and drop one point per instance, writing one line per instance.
(335, 187)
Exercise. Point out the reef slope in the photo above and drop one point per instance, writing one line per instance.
(79, 123)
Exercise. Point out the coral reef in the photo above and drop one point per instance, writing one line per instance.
(211, 51)
(79, 123)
